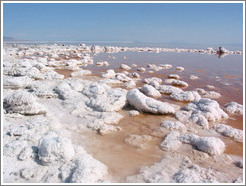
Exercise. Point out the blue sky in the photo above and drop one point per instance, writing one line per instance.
(162, 22)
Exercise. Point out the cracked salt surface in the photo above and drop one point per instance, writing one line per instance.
(79, 127)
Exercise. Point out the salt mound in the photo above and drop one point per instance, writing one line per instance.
(148, 80)
(173, 125)
(122, 77)
(109, 74)
(85, 169)
(148, 90)
(185, 96)
(193, 77)
(174, 76)
(112, 100)
(179, 83)
(125, 67)
(201, 112)
(146, 104)
(171, 141)
(23, 103)
(168, 89)
(210, 145)
(166, 66)
(134, 113)
(234, 108)
(16, 82)
(54, 149)
(80, 73)
(130, 84)
(228, 131)
(179, 68)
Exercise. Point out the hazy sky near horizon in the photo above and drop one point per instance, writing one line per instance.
(162, 22)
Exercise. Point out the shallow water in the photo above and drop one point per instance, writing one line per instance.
(124, 160)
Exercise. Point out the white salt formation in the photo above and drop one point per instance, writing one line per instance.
(80, 73)
(173, 125)
(210, 145)
(201, 112)
(23, 103)
(168, 89)
(109, 74)
(179, 83)
(179, 68)
(234, 108)
(139, 141)
(173, 76)
(130, 84)
(54, 149)
(147, 104)
(134, 113)
(193, 77)
(125, 67)
(185, 96)
(228, 131)
(149, 90)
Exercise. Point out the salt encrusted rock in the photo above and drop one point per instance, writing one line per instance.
(26, 153)
(211, 94)
(122, 77)
(154, 83)
(179, 83)
(228, 131)
(210, 145)
(168, 89)
(185, 96)
(179, 68)
(102, 63)
(139, 141)
(112, 100)
(23, 103)
(173, 125)
(210, 86)
(169, 81)
(149, 90)
(171, 141)
(166, 66)
(125, 67)
(234, 108)
(16, 82)
(43, 90)
(125, 72)
(130, 84)
(173, 169)
(200, 90)
(14, 148)
(148, 80)
(94, 89)
(201, 112)
(51, 75)
(109, 74)
(194, 174)
(193, 77)
(134, 113)
(80, 73)
(53, 149)
(85, 169)
(134, 75)
(174, 76)
(146, 104)
(141, 69)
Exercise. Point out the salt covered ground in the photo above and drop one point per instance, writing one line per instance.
(93, 114)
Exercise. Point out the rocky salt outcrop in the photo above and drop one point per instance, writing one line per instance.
(174, 168)
(149, 80)
(185, 96)
(211, 145)
(173, 125)
(53, 149)
(149, 90)
(85, 169)
(109, 74)
(201, 112)
(147, 104)
(130, 84)
(179, 68)
(229, 131)
(179, 83)
(168, 89)
(173, 76)
(17, 82)
(22, 102)
(125, 67)
(234, 108)
(80, 73)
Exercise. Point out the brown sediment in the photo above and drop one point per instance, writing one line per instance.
(65, 72)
